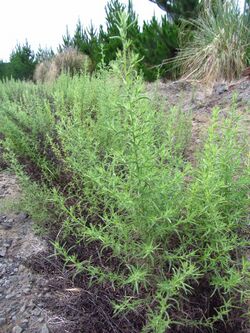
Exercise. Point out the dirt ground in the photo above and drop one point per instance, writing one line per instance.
(21, 291)
(200, 100)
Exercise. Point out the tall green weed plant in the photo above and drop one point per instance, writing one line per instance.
(112, 163)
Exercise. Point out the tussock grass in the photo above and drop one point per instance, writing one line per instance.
(112, 165)
(69, 61)
(218, 46)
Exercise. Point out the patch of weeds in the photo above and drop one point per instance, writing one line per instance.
(34, 199)
(129, 224)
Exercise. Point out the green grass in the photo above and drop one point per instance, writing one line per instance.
(111, 166)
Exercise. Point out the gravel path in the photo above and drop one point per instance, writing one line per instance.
(21, 290)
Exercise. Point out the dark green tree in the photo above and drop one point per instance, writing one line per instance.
(5, 71)
(44, 54)
(111, 45)
(22, 62)
(155, 42)
(177, 9)
(158, 42)
(247, 9)
(246, 6)
(90, 40)
(2, 69)
(86, 41)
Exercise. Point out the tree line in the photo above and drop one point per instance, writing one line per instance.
(155, 42)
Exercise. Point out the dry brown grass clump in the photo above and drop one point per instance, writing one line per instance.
(41, 71)
(218, 48)
(69, 61)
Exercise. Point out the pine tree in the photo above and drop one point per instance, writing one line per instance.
(86, 41)
(44, 54)
(22, 62)
(177, 9)
(154, 43)
(4, 70)
(111, 45)
(158, 41)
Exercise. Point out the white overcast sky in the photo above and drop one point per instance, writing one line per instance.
(44, 22)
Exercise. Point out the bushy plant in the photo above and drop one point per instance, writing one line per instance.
(72, 61)
(218, 46)
(166, 235)
(69, 60)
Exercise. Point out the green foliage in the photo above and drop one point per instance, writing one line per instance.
(113, 165)
(155, 42)
(158, 41)
(22, 62)
(86, 41)
(112, 45)
(90, 41)
(247, 18)
(35, 199)
(179, 9)
(44, 54)
(247, 7)
(5, 70)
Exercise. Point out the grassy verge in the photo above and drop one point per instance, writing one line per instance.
(108, 165)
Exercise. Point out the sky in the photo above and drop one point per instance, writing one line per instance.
(42, 23)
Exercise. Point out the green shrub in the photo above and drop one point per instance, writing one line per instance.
(115, 167)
